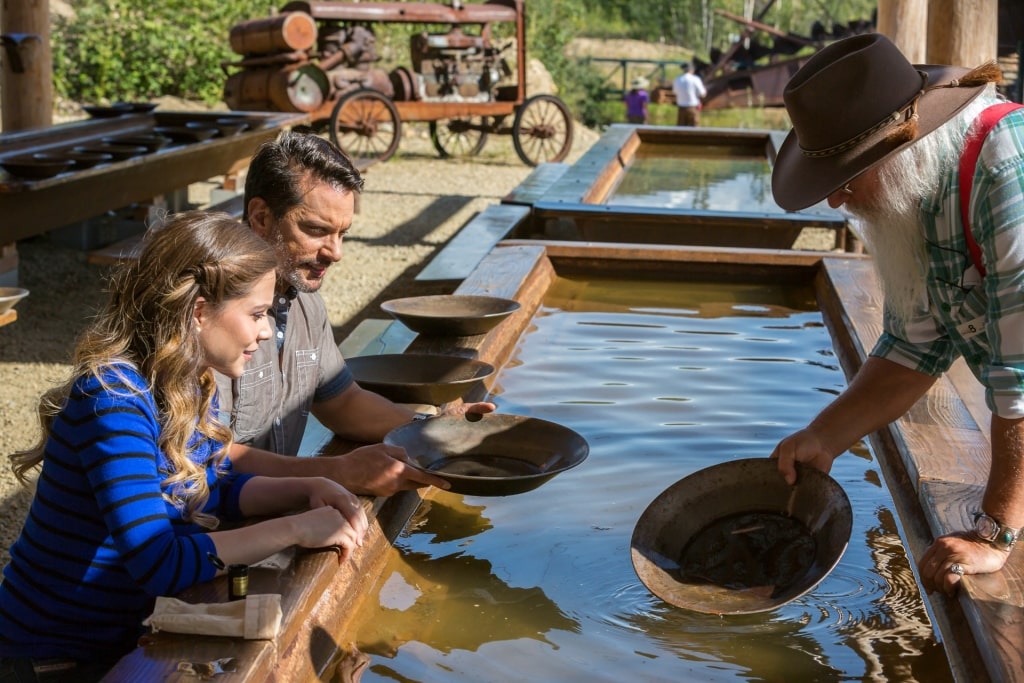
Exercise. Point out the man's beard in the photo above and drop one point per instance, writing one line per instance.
(891, 225)
(891, 230)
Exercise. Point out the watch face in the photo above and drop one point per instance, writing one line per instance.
(986, 527)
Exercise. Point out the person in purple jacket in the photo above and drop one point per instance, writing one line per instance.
(135, 476)
(636, 100)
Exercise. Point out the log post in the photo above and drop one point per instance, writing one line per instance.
(963, 33)
(905, 23)
(26, 74)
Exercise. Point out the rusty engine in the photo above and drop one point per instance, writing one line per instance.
(292, 63)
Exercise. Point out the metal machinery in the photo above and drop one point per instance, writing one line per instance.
(320, 57)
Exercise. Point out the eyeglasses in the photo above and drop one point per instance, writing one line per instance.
(845, 189)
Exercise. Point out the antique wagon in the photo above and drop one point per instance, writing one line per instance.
(320, 57)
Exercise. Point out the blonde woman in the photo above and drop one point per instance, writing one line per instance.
(134, 473)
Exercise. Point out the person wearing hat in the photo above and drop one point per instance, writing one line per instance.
(688, 89)
(636, 101)
(882, 138)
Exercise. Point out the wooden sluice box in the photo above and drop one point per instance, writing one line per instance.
(932, 494)
(669, 185)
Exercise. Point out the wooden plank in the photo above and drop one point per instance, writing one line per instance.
(536, 184)
(129, 247)
(374, 336)
(470, 245)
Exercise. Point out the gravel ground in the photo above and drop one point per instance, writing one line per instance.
(412, 205)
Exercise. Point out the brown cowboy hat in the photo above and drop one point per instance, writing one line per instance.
(854, 103)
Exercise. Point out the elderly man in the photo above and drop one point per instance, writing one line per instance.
(300, 197)
(883, 138)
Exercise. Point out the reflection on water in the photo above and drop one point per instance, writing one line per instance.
(662, 379)
(694, 177)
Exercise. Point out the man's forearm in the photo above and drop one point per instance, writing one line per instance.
(1004, 494)
(881, 392)
(249, 460)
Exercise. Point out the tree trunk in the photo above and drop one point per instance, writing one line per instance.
(905, 23)
(962, 33)
(26, 74)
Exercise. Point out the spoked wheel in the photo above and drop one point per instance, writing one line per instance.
(542, 130)
(458, 138)
(366, 126)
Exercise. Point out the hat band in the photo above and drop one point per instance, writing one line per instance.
(907, 112)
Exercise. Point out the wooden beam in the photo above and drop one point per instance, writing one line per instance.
(905, 23)
(26, 65)
(962, 33)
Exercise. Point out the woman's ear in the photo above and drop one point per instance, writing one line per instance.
(199, 313)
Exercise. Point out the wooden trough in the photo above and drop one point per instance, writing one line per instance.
(580, 203)
(935, 460)
(33, 206)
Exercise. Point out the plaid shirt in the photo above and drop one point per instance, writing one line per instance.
(980, 319)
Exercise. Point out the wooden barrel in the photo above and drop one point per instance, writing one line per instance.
(286, 32)
(294, 88)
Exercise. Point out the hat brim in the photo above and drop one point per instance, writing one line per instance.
(800, 181)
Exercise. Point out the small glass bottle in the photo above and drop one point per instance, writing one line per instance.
(238, 581)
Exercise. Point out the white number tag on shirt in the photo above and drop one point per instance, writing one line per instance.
(971, 327)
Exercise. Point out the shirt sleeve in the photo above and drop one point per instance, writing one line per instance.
(997, 223)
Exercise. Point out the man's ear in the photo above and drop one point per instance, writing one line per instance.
(259, 216)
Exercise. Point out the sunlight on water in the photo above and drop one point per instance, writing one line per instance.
(692, 177)
(662, 379)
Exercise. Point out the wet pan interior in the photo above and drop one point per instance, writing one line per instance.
(496, 455)
(419, 378)
(451, 315)
(734, 538)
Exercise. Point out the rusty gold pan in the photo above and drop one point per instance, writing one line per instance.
(433, 379)
(496, 455)
(734, 538)
(450, 315)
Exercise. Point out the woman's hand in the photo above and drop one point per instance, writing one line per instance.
(324, 492)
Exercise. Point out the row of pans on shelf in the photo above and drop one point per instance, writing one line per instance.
(40, 165)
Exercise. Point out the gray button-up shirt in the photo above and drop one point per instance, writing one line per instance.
(268, 406)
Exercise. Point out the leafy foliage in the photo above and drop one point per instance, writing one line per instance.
(137, 49)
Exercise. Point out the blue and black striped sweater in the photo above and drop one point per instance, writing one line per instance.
(100, 542)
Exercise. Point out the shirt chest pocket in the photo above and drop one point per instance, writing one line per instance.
(257, 397)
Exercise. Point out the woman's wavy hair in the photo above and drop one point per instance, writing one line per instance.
(148, 324)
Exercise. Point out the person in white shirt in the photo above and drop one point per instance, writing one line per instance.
(689, 90)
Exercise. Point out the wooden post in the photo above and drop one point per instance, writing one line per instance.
(963, 33)
(26, 75)
(905, 23)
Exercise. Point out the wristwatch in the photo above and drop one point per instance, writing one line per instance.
(991, 530)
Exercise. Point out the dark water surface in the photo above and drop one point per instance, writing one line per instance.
(662, 379)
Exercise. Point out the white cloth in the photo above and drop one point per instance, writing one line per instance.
(688, 89)
(258, 617)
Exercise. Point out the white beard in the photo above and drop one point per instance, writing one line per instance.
(895, 242)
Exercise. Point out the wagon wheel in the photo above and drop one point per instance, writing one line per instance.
(365, 125)
(542, 130)
(458, 138)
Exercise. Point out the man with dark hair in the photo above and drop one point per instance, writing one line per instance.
(300, 196)
(884, 139)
